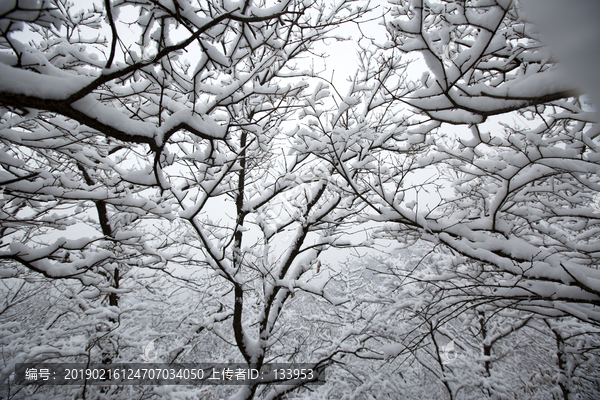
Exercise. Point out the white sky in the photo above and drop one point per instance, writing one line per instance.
(571, 28)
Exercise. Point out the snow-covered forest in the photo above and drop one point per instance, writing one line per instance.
(192, 177)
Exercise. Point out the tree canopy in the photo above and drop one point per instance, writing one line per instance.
(176, 174)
